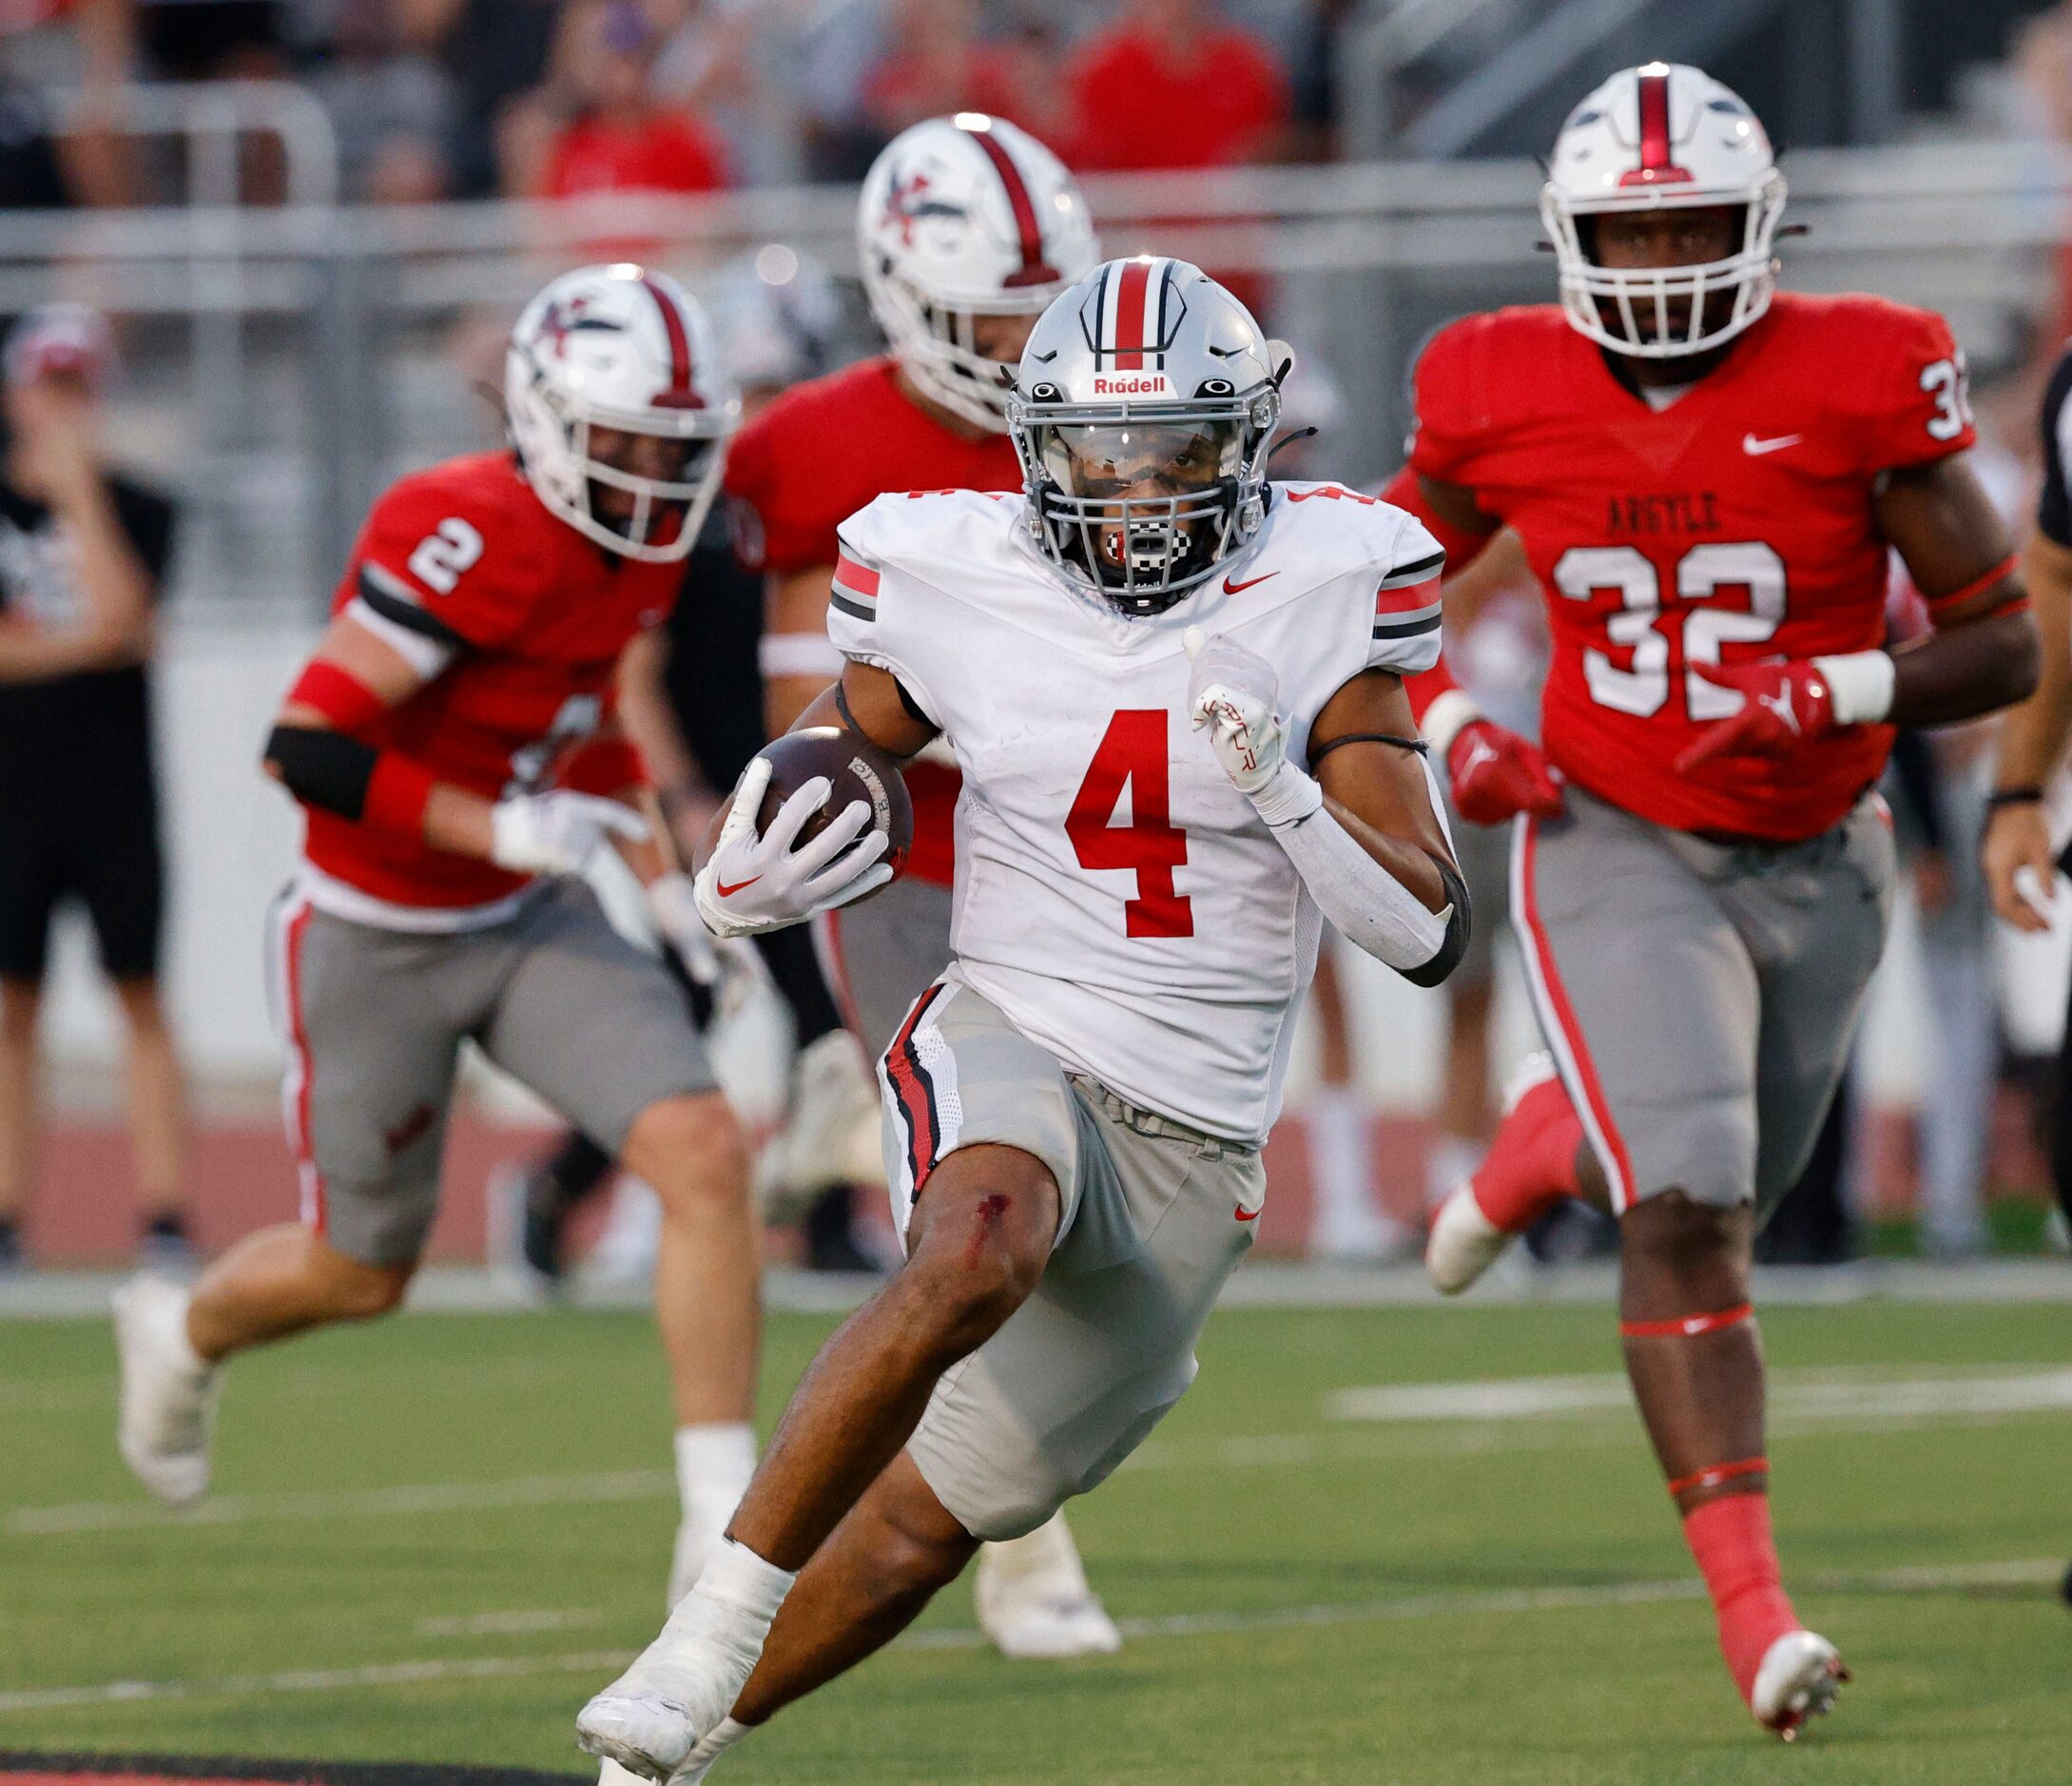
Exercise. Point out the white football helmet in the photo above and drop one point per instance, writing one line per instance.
(1660, 136)
(1142, 412)
(627, 349)
(961, 218)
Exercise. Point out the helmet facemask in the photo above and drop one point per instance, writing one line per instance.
(663, 514)
(1628, 310)
(936, 341)
(1139, 502)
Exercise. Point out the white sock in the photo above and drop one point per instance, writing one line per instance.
(1450, 1164)
(716, 1741)
(180, 1345)
(1337, 1120)
(713, 1466)
(742, 1588)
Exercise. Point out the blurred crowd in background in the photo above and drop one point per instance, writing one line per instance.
(435, 99)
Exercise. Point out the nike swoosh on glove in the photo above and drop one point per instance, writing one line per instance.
(558, 832)
(1784, 708)
(751, 883)
(1495, 775)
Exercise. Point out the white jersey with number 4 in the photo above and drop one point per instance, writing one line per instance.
(1116, 897)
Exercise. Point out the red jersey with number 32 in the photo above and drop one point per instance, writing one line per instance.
(1733, 525)
(532, 618)
(815, 457)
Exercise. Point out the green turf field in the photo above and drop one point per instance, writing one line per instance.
(433, 1538)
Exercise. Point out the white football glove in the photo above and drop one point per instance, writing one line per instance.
(558, 832)
(1234, 694)
(731, 968)
(753, 884)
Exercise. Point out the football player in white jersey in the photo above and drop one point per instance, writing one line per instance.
(1133, 661)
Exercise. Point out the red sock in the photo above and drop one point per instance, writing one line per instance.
(1531, 1165)
(1730, 1539)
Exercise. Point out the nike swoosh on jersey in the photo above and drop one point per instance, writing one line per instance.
(1238, 589)
(725, 892)
(1243, 1214)
(1755, 448)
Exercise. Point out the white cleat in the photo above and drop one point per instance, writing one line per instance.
(1033, 1602)
(1800, 1675)
(655, 1718)
(168, 1395)
(1464, 1242)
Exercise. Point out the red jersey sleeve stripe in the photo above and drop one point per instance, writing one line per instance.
(1402, 600)
(856, 579)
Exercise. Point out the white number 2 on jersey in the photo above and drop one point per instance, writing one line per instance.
(441, 556)
(1635, 624)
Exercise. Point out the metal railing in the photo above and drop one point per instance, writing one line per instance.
(359, 332)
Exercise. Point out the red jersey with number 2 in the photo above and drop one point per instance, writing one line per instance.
(1732, 526)
(816, 456)
(536, 617)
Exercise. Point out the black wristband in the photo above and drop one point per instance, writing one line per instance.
(2027, 795)
(1319, 751)
(322, 769)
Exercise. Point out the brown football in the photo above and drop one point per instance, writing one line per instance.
(859, 771)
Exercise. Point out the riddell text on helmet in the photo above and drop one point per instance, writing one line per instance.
(1137, 384)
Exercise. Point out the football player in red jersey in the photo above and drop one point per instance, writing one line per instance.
(454, 745)
(1707, 480)
(966, 227)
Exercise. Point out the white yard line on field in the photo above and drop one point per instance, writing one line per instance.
(1836, 1395)
(1483, 1602)
(1469, 1419)
(511, 1624)
(330, 1504)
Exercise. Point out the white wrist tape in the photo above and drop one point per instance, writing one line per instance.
(1860, 684)
(1365, 903)
(1443, 719)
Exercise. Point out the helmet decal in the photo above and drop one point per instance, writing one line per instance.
(963, 219)
(1036, 269)
(1133, 314)
(1656, 169)
(906, 203)
(681, 394)
(564, 317)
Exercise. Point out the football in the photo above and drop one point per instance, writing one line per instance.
(859, 771)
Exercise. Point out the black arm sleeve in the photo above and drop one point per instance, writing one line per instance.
(1459, 928)
(321, 767)
(2054, 506)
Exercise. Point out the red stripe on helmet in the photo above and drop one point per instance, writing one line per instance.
(1035, 269)
(1130, 341)
(680, 395)
(1655, 166)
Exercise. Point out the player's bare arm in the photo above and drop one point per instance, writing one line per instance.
(2032, 745)
(1377, 867)
(1378, 790)
(1982, 655)
(798, 663)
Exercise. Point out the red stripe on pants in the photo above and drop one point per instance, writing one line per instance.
(1620, 1167)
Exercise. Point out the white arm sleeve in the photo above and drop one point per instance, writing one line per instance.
(1372, 909)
